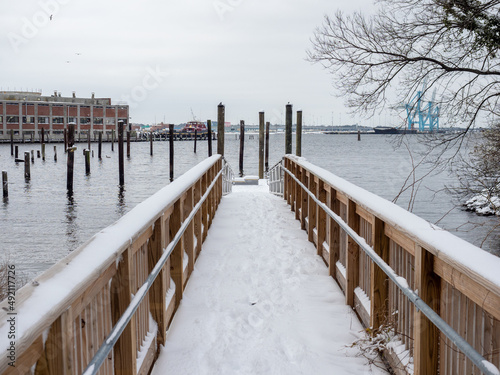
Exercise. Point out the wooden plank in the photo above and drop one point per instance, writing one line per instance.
(342, 198)
(93, 289)
(340, 279)
(361, 311)
(121, 295)
(368, 216)
(304, 208)
(379, 291)
(189, 233)
(141, 240)
(426, 334)
(197, 219)
(352, 259)
(157, 293)
(149, 359)
(468, 286)
(25, 361)
(402, 240)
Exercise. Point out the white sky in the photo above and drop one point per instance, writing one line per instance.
(251, 55)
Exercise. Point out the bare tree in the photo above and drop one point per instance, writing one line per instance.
(382, 60)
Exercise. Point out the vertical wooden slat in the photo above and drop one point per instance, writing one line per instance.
(304, 196)
(379, 291)
(311, 208)
(352, 266)
(426, 335)
(176, 269)
(298, 191)
(197, 219)
(121, 295)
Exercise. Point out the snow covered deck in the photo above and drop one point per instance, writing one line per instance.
(260, 301)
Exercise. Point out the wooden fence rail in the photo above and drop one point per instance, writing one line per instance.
(457, 280)
(56, 324)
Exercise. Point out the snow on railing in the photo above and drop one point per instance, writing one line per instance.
(275, 179)
(103, 294)
(421, 277)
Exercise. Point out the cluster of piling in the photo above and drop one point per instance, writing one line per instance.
(125, 138)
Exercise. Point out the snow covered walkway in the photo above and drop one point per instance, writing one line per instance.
(260, 300)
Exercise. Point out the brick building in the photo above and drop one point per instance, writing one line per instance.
(28, 112)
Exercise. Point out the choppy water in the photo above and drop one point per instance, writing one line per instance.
(40, 224)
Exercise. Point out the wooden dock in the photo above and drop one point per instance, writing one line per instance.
(138, 268)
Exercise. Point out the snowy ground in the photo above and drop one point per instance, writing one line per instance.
(260, 301)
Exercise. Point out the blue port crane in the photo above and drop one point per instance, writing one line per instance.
(425, 115)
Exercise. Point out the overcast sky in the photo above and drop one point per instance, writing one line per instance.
(168, 58)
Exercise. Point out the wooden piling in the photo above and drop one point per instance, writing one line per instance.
(88, 140)
(87, 162)
(261, 145)
(99, 147)
(71, 157)
(359, 135)
(288, 129)
(43, 144)
(121, 170)
(5, 184)
(268, 125)
(113, 140)
(32, 156)
(171, 147)
(151, 144)
(242, 145)
(16, 152)
(27, 172)
(128, 144)
(195, 137)
(65, 140)
(298, 134)
(55, 153)
(38, 154)
(220, 128)
(11, 142)
(209, 129)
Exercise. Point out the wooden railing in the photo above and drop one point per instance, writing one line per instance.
(56, 324)
(459, 281)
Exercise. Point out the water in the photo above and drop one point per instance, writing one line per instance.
(40, 224)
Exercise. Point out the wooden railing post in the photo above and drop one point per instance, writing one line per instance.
(298, 192)
(311, 213)
(204, 206)
(321, 216)
(198, 219)
(304, 197)
(158, 291)
(334, 235)
(121, 294)
(426, 334)
(176, 269)
(352, 258)
(293, 188)
(379, 292)
(189, 233)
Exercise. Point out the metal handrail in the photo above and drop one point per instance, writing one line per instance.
(484, 365)
(101, 354)
(227, 177)
(276, 179)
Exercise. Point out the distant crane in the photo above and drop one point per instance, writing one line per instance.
(425, 115)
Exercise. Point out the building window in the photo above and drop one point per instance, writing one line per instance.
(110, 120)
(43, 120)
(84, 120)
(71, 119)
(28, 119)
(13, 119)
(98, 120)
(1, 119)
(58, 120)
(125, 122)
